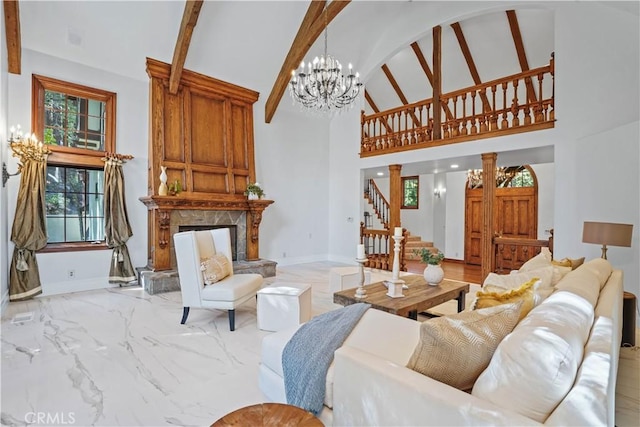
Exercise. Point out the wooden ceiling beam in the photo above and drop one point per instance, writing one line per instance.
(189, 20)
(12, 33)
(425, 67)
(522, 56)
(396, 87)
(313, 23)
(464, 47)
(372, 104)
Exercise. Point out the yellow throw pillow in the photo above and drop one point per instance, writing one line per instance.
(456, 349)
(492, 295)
(215, 268)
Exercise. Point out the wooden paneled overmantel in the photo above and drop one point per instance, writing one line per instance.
(202, 134)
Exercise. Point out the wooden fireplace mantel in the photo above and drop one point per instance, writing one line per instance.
(160, 208)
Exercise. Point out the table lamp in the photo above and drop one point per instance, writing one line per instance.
(607, 233)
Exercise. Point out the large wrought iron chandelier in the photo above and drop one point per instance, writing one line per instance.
(321, 86)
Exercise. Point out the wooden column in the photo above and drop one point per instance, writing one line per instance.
(437, 81)
(395, 202)
(488, 198)
(254, 217)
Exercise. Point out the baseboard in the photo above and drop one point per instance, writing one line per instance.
(92, 284)
(454, 261)
(343, 259)
(300, 260)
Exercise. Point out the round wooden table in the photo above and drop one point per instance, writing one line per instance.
(269, 414)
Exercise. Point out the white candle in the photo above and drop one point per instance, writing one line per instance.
(397, 232)
(360, 252)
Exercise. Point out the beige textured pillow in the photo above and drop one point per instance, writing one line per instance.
(543, 259)
(456, 349)
(215, 268)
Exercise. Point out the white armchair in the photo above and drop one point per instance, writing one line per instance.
(193, 246)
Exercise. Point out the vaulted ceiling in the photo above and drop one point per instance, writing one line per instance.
(246, 42)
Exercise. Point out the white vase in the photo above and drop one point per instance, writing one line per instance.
(253, 196)
(163, 190)
(433, 274)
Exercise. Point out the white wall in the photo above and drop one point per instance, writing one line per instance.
(292, 165)
(91, 267)
(4, 235)
(596, 150)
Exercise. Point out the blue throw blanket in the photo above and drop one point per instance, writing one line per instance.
(307, 356)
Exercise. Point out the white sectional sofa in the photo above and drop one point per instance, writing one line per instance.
(557, 367)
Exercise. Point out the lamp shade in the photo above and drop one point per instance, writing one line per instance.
(607, 233)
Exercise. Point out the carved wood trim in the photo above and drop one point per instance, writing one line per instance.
(164, 221)
(162, 70)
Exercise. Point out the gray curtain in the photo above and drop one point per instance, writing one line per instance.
(29, 231)
(117, 228)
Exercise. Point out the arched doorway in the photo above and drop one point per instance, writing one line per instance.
(515, 210)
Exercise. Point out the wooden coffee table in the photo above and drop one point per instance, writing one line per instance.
(269, 414)
(419, 297)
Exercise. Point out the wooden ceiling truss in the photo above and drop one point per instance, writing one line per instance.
(12, 32)
(464, 47)
(522, 56)
(319, 14)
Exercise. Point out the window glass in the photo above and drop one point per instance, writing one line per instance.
(410, 192)
(75, 204)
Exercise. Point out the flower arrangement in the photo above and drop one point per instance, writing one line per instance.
(254, 189)
(429, 257)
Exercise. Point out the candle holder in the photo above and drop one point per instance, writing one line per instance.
(395, 285)
(360, 292)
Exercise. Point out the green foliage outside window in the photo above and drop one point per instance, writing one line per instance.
(410, 186)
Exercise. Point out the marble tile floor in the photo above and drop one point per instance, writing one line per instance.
(119, 357)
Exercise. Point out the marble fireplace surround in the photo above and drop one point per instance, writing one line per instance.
(174, 213)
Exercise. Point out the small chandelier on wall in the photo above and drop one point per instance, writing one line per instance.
(321, 86)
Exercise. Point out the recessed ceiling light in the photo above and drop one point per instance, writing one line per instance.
(454, 166)
(380, 174)
(435, 171)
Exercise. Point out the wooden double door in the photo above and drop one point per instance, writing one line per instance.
(515, 215)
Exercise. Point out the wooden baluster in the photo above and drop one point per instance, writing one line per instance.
(474, 123)
(514, 106)
(539, 117)
(494, 112)
(464, 114)
(505, 109)
(406, 127)
(419, 131)
(455, 131)
(429, 130)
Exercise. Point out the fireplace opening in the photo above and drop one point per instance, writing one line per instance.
(232, 232)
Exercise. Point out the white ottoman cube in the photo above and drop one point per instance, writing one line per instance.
(341, 278)
(282, 305)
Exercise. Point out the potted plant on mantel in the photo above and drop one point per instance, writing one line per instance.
(433, 274)
(254, 191)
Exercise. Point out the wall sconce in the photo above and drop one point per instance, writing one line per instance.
(21, 146)
(6, 175)
(437, 192)
(607, 233)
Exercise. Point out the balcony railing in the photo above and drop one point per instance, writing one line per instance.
(518, 103)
